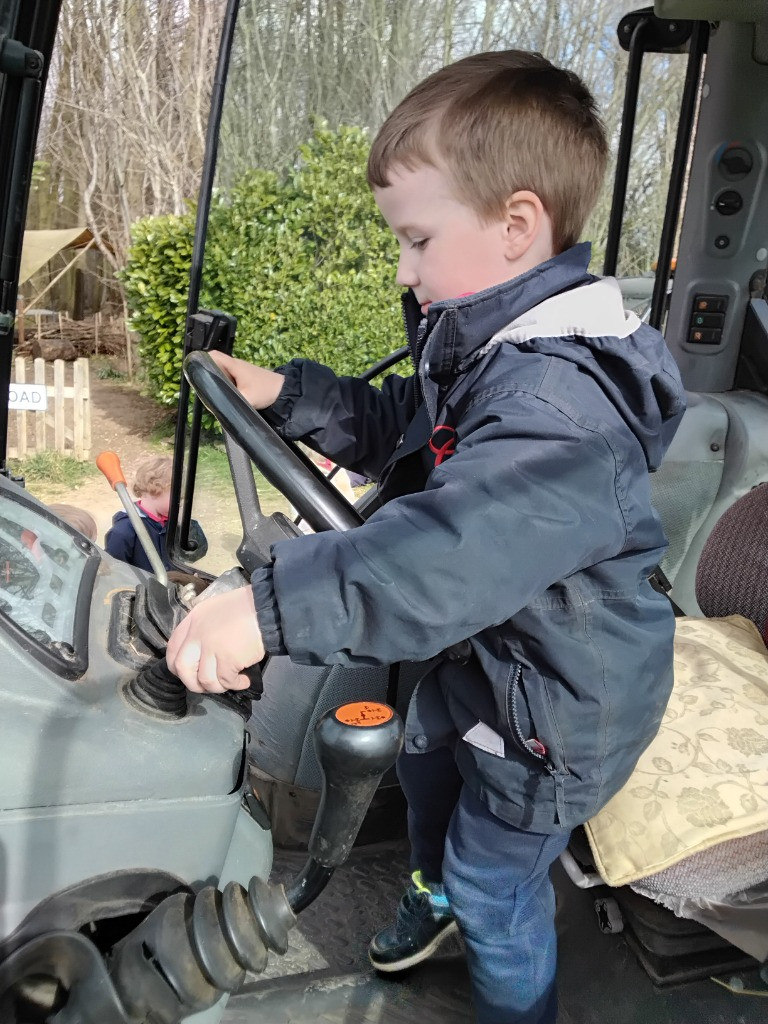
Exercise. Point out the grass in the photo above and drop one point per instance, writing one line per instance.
(213, 469)
(214, 478)
(110, 373)
(53, 470)
(107, 367)
(163, 433)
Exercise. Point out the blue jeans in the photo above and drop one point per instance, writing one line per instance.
(496, 878)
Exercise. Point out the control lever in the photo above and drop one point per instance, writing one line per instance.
(157, 612)
(196, 946)
(355, 745)
(157, 690)
(109, 464)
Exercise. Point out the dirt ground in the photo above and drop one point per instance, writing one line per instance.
(135, 427)
(122, 420)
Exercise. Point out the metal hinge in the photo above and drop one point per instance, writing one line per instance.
(18, 60)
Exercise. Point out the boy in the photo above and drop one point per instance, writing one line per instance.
(152, 486)
(516, 526)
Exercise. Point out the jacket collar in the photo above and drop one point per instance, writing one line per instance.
(162, 520)
(454, 328)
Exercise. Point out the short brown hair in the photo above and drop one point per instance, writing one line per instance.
(153, 477)
(502, 122)
(77, 517)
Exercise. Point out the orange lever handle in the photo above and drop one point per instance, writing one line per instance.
(109, 464)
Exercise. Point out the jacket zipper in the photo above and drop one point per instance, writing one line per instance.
(415, 341)
(415, 347)
(513, 723)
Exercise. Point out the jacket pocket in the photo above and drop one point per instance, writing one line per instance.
(530, 719)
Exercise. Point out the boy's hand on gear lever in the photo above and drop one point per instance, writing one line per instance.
(217, 640)
(261, 387)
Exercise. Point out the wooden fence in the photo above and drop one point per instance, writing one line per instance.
(65, 426)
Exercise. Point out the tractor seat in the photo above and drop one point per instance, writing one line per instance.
(689, 830)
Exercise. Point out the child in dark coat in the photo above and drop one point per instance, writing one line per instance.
(516, 518)
(152, 486)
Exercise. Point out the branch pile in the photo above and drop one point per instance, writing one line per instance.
(70, 339)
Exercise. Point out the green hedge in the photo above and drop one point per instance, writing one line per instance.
(305, 262)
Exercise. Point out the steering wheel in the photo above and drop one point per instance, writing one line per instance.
(282, 462)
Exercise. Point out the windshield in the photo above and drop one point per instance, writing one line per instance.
(295, 249)
(42, 574)
(246, 230)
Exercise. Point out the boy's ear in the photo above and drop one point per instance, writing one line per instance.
(526, 222)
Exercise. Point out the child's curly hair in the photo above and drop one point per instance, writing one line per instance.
(153, 477)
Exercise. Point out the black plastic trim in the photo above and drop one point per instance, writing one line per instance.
(696, 53)
(123, 643)
(52, 658)
(33, 27)
(175, 541)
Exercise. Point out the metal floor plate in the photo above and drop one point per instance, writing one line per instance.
(332, 933)
(325, 976)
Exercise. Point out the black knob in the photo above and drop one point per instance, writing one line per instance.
(735, 163)
(728, 203)
(355, 745)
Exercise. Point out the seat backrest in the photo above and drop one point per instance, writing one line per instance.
(718, 454)
(732, 574)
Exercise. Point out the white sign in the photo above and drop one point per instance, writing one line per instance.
(28, 397)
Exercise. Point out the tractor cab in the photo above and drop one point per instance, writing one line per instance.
(170, 857)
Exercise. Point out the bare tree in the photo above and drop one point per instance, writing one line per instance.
(127, 126)
(352, 61)
(124, 135)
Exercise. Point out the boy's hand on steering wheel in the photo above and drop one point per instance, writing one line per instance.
(219, 638)
(259, 386)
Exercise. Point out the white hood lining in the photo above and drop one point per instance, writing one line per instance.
(592, 311)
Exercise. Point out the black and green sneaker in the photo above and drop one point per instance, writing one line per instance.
(423, 922)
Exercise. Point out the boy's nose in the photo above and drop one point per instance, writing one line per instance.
(406, 274)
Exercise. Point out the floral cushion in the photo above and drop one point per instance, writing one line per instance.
(704, 778)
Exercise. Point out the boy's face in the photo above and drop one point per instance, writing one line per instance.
(160, 503)
(445, 250)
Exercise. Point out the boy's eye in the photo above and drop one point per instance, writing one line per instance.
(419, 243)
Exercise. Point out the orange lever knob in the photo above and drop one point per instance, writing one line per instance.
(109, 464)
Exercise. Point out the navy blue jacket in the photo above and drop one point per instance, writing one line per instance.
(514, 470)
(121, 541)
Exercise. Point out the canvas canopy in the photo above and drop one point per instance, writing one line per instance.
(41, 246)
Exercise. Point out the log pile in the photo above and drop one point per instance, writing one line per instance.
(57, 337)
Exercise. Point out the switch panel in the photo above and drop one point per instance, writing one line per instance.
(710, 303)
(707, 319)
